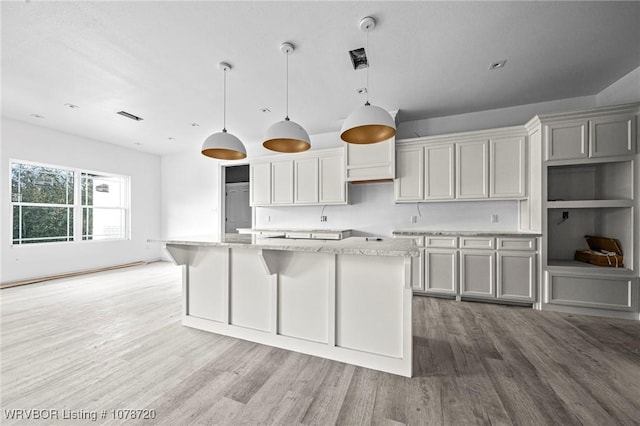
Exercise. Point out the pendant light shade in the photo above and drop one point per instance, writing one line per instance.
(369, 123)
(287, 135)
(224, 145)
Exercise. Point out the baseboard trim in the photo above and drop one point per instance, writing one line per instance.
(68, 274)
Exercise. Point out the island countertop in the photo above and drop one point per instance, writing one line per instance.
(367, 246)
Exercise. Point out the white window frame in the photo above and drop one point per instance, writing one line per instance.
(77, 206)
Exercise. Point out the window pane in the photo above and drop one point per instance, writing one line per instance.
(42, 224)
(103, 191)
(39, 184)
(100, 223)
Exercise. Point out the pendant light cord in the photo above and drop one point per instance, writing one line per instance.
(224, 103)
(366, 51)
(287, 96)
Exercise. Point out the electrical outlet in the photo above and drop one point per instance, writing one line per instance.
(323, 218)
(414, 219)
(565, 215)
(494, 218)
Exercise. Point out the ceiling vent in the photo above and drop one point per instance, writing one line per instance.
(131, 116)
(358, 58)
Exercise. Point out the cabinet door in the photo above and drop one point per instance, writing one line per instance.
(373, 161)
(410, 174)
(566, 140)
(305, 181)
(282, 182)
(332, 184)
(439, 174)
(516, 276)
(260, 178)
(477, 276)
(507, 167)
(472, 174)
(612, 136)
(441, 271)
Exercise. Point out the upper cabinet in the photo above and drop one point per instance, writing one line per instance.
(374, 161)
(464, 166)
(310, 178)
(472, 170)
(594, 135)
(507, 157)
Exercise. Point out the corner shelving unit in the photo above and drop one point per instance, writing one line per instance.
(590, 171)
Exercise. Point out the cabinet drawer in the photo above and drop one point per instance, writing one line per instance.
(326, 236)
(298, 234)
(509, 243)
(477, 242)
(418, 240)
(441, 242)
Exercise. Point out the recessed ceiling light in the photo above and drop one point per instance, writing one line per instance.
(137, 143)
(37, 116)
(195, 125)
(361, 91)
(72, 106)
(265, 109)
(171, 138)
(497, 65)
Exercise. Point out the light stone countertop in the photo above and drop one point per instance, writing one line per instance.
(250, 230)
(432, 232)
(366, 246)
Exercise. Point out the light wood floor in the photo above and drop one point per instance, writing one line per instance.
(114, 341)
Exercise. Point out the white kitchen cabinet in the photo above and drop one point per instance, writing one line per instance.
(282, 182)
(441, 271)
(472, 170)
(260, 177)
(516, 275)
(566, 139)
(410, 173)
(332, 186)
(477, 273)
(507, 167)
(612, 136)
(305, 181)
(439, 172)
(375, 161)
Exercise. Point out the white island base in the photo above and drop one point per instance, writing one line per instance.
(346, 307)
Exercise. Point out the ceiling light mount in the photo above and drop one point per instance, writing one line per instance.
(224, 145)
(287, 135)
(497, 64)
(368, 124)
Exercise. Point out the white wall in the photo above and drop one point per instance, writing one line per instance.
(23, 141)
(625, 90)
(372, 212)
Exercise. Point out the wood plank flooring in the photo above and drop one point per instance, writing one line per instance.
(113, 340)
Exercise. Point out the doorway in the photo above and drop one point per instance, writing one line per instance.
(237, 211)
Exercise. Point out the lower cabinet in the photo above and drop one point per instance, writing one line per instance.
(477, 273)
(488, 268)
(441, 271)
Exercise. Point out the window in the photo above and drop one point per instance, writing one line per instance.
(53, 204)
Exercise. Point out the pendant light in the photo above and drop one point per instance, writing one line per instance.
(223, 145)
(369, 123)
(287, 135)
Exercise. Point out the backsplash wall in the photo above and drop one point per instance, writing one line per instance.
(372, 211)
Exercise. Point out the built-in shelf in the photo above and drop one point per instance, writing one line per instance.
(588, 204)
(557, 265)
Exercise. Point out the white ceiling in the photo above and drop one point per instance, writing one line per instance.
(428, 59)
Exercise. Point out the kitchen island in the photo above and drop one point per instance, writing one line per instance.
(346, 300)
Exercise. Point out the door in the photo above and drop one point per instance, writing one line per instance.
(410, 174)
(332, 186)
(507, 167)
(612, 136)
(306, 181)
(282, 182)
(516, 272)
(566, 140)
(236, 207)
(260, 178)
(441, 271)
